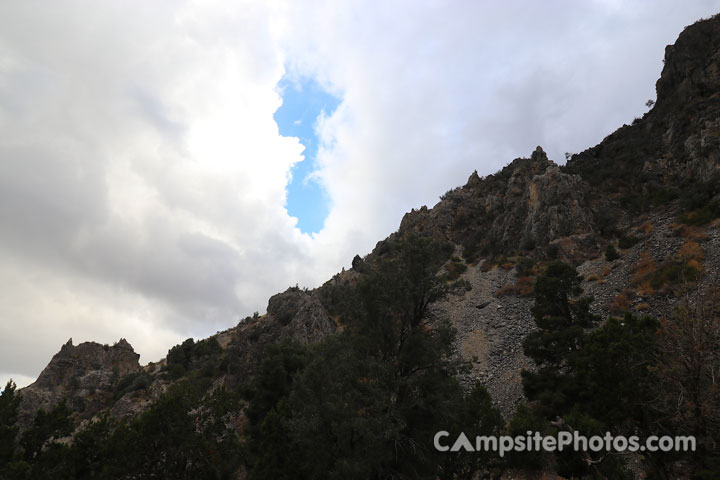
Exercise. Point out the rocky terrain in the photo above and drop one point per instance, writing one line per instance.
(645, 191)
(84, 375)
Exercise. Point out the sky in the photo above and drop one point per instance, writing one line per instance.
(167, 166)
(305, 104)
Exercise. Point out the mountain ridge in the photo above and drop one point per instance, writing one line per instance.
(649, 190)
(532, 203)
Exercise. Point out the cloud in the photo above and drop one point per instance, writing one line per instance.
(143, 178)
(433, 91)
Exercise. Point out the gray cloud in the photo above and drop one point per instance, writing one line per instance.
(142, 176)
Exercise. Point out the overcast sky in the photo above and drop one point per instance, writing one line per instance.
(143, 177)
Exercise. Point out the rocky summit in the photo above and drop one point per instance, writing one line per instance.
(83, 375)
(636, 219)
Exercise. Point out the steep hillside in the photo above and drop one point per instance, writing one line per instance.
(637, 215)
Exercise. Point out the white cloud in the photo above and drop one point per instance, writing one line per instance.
(142, 177)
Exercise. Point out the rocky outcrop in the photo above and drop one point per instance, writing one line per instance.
(295, 314)
(678, 140)
(301, 316)
(530, 202)
(83, 375)
(692, 67)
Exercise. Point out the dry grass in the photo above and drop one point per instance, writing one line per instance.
(619, 304)
(683, 267)
(593, 277)
(691, 250)
(642, 272)
(646, 227)
(487, 265)
(689, 232)
(696, 234)
(523, 287)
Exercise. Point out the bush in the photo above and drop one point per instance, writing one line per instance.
(523, 287)
(619, 304)
(648, 277)
(526, 267)
(460, 286)
(189, 355)
(611, 254)
(626, 242)
(132, 382)
(471, 249)
(701, 216)
(593, 277)
(455, 268)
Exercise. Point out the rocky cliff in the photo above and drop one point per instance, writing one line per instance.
(84, 375)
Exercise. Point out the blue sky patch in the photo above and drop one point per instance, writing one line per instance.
(303, 102)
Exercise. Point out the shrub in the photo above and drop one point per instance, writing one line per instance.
(471, 248)
(487, 265)
(625, 242)
(593, 277)
(701, 216)
(460, 286)
(649, 277)
(526, 267)
(696, 234)
(130, 383)
(642, 272)
(646, 227)
(673, 273)
(462, 219)
(455, 268)
(528, 244)
(523, 287)
(619, 304)
(611, 253)
(190, 355)
(690, 250)
(606, 223)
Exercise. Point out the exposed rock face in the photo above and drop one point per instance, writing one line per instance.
(541, 204)
(83, 375)
(692, 66)
(301, 315)
(530, 202)
(294, 314)
(678, 141)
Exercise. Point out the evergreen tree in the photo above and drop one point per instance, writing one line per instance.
(562, 315)
(10, 465)
(369, 401)
(9, 403)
